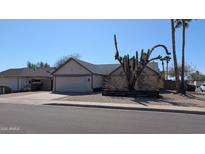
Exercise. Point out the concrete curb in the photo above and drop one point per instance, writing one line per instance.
(131, 108)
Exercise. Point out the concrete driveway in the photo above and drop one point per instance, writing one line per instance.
(34, 98)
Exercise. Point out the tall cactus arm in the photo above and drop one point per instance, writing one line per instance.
(133, 63)
(149, 53)
(155, 47)
(136, 60)
(128, 62)
(117, 55)
(160, 46)
(141, 57)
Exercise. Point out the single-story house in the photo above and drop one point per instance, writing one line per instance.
(19, 78)
(79, 76)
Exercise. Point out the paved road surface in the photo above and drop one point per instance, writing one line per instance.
(16, 118)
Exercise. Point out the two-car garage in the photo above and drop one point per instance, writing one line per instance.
(73, 83)
(75, 76)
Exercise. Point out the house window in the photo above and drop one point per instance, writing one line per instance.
(88, 79)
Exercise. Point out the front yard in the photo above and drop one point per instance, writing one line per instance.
(192, 99)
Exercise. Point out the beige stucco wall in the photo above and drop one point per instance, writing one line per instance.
(97, 81)
(18, 83)
(11, 82)
(115, 83)
(23, 82)
(71, 68)
(148, 80)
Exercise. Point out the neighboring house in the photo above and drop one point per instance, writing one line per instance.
(79, 76)
(19, 78)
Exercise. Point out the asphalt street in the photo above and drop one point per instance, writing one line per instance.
(19, 118)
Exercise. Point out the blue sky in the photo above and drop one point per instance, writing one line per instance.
(48, 40)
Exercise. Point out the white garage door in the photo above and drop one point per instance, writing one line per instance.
(73, 84)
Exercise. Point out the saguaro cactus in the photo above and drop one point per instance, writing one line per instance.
(133, 67)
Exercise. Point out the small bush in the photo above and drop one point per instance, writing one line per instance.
(5, 89)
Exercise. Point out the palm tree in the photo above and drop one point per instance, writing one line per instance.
(174, 54)
(167, 59)
(163, 70)
(184, 23)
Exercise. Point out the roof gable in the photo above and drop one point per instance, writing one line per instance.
(71, 67)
